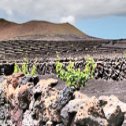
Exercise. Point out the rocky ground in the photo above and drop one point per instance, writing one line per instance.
(47, 101)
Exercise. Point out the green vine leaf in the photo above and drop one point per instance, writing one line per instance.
(76, 77)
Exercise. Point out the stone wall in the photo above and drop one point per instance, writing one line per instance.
(114, 69)
(28, 101)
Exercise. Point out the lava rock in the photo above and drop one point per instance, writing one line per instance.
(8, 69)
(30, 79)
(64, 97)
(114, 110)
(90, 114)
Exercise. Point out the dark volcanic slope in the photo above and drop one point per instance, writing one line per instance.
(40, 30)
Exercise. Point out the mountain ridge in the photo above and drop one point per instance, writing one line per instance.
(40, 30)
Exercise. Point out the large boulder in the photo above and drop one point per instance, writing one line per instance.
(48, 101)
(69, 111)
(90, 114)
(114, 109)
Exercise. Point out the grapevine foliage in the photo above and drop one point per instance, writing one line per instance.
(76, 77)
(25, 68)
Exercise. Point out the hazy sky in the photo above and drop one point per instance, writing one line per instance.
(100, 18)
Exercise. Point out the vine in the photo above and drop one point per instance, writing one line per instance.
(76, 77)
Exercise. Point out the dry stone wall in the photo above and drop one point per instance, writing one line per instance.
(26, 102)
(114, 69)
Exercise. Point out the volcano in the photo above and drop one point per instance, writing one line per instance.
(42, 39)
(40, 30)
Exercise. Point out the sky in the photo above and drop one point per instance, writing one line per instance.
(99, 18)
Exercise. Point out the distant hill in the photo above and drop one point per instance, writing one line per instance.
(40, 30)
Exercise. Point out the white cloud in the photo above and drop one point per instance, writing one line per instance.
(9, 12)
(69, 19)
(60, 10)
